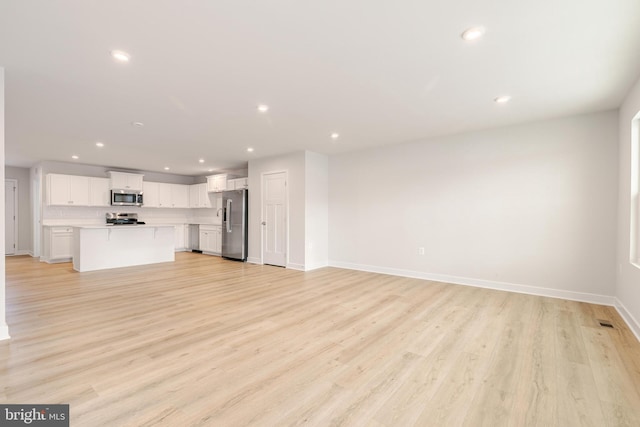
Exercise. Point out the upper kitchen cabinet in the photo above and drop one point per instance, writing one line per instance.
(237, 184)
(173, 195)
(99, 192)
(126, 181)
(198, 196)
(179, 195)
(150, 195)
(218, 183)
(67, 190)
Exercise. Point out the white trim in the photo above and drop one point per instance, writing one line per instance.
(16, 238)
(254, 260)
(293, 266)
(21, 252)
(626, 315)
(479, 283)
(286, 213)
(56, 260)
(634, 195)
(309, 267)
(4, 332)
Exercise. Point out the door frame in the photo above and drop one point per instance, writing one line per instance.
(15, 214)
(286, 213)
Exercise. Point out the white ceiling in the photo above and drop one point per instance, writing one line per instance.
(377, 72)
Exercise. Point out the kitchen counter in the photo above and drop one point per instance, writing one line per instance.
(98, 247)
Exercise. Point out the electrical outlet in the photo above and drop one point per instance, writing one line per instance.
(421, 251)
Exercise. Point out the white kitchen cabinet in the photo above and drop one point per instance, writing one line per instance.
(58, 244)
(211, 239)
(198, 196)
(181, 237)
(173, 195)
(164, 195)
(179, 196)
(67, 190)
(150, 198)
(217, 232)
(194, 200)
(99, 192)
(218, 183)
(237, 184)
(126, 181)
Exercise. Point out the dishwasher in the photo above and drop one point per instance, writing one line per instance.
(194, 238)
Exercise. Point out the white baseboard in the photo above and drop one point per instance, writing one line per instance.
(55, 261)
(315, 266)
(293, 266)
(479, 283)
(21, 252)
(631, 321)
(4, 332)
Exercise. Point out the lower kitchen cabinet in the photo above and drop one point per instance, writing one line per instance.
(181, 237)
(211, 239)
(58, 244)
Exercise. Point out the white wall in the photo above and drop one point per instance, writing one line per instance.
(307, 194)
(628, 277)
(530, 208)
(4, 330)
(23, 244)
(316, 210)
(294, 164)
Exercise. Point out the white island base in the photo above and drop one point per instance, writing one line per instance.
(102, 247)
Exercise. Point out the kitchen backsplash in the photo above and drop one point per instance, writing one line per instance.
(61, 215)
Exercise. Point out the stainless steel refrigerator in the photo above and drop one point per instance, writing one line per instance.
(234, 224)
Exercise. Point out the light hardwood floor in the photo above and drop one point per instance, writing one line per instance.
(208, 342)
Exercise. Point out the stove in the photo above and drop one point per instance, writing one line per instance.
(114, 218)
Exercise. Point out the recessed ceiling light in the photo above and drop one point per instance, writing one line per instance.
(473, 33)
(503, 99)
(166, 168)
(99, 144)
(200, 160)
(209, 170)
(335, 135)
(74, 157)
(120, 56)
(137, 124)
(263, 108)
(250, 150)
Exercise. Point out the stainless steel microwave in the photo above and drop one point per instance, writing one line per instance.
(125, 198)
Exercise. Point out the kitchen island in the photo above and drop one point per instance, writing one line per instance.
(99, 247)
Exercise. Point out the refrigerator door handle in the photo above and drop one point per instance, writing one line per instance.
(228, 215)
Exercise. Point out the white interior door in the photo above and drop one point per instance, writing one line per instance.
(10, 205)
(274, 218)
